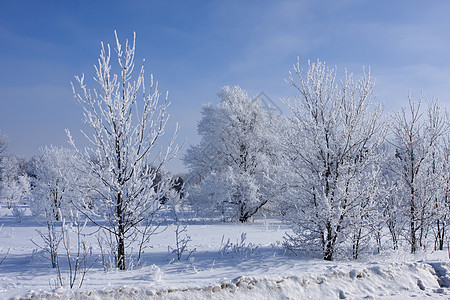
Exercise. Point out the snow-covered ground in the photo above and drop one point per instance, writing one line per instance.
(253, 268)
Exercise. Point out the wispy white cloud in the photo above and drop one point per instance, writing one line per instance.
(394, 83)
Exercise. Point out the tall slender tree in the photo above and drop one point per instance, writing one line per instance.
(126, 120)
(416, 137)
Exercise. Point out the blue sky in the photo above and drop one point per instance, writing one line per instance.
(193, 48)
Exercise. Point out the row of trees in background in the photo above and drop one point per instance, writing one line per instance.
(346, 178)
(343, 175)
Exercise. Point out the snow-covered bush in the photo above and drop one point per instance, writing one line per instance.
(78, 255)
(179, 211)
(19, 212)
(240, 249)
(66, 237)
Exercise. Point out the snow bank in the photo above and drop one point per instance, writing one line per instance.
(388, 281)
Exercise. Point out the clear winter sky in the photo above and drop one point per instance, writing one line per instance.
(195, 47)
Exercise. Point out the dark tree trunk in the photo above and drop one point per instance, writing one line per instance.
(412, 226)
(121, 253)
(356, 239)
(120, 236)
(328, 254)
(246, 214)
(329, 244)
(412, 211)
(439, 244)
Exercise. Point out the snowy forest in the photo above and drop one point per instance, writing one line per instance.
(343, 178)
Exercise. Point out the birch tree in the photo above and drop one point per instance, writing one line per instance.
(126, 121)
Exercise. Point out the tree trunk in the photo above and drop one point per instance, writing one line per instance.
(412, 224)
(121, 252)
(243, 215)
(394, 241)
(356, 239)
(328, 254)
(413, 237)
(120, 235)
(378, 238)
(439, 243)
(247, 214)
(329, 245)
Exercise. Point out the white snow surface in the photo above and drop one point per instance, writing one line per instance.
(260, 270)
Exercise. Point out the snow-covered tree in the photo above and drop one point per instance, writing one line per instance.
(332, 147)
(3, 145)
(57, 180)
(4, 141)
(416, 137)
(15, 184)
(126, 121)
(235, 162)
(441, 192)
(390, 205)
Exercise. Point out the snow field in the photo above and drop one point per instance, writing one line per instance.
(256, 268)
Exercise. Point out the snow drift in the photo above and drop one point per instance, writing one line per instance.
(393, 281)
